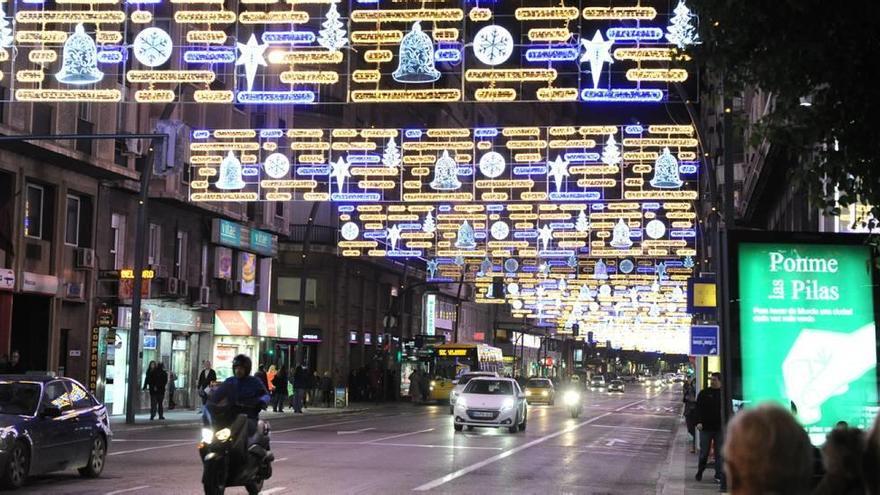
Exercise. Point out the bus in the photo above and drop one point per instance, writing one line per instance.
(451, 360)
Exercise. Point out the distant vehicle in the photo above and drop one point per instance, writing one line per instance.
(461, 382)
(597, 383)
(50, 424)
(616, 386)
(669, 378)
(680, 378)
(629, 378)
(540, 390)
(491, 402)
(653, 382)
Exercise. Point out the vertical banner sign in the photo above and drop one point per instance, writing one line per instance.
(808, 335)
(248, 263)
(430, 314)
(93, 359)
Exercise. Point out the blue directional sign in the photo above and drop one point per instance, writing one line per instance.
(704, 340)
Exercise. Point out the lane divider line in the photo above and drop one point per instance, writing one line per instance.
(145, 449)
(399, 436)
(128, 490)
(277, 489)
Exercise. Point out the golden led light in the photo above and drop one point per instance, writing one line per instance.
(495, 94)
(687, 155)
(259, 2)
(518, 144)
(358, 244)
(316, 196)
(305, 57)
(279, 196)
(661, 75)
(204, 17)
(597, 183)
(642, 169)
(438, 196)
(42, 56)
(549, 34)
(226, 196)
(248, 158)
(354, 146)
(642, 54)
(671, 129)
(640, 156)
(403, 96)
(366, 76)
(527, 157)
(510, 75)
(154, 96)
(35, 37)
(344, 133)
(386, 37)
(661, 142)
(235, 133)
(205, 159)
(546, 13)
(379, 133)
(305, 133)
(588, 130)
(108, 37)
(170, 76)
(445, 34)
(212, 37)
(683, 195)
(561, 131)
(557, 94)
(70, 17)
(418, 160)
(429, 146)
(29, 76)
(207, 172)
(66, 95)
(373, 171)
(309, 77)
(199, 184)
(289, 184)
(378, 56)
(197, 2)
(480, 14)
(141, 16)
(319, 146)
(212, 96)
(633, 182)
(407, 15)
(224, 146)
(620, 13)
(311, 159)
(533, 196)
(274, 17)
(520, 131)
(572, 143)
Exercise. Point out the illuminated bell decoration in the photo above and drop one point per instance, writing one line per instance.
(621, 239)
(666, 172)
(79, 60)
(416, 63)
(601, 271)
(465, 237)
(445, 174)
(230, 173)
(486, 265)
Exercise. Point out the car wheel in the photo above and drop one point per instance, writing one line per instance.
(515, 426)
(254, 488)
(17, 466)
(470, 428)
(522, 426)
(552, 402)
(97, 456)
(458, 427)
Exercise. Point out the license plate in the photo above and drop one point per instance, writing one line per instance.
(482, 414)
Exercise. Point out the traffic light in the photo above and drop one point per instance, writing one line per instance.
(589, 337)
(576, 329)
(398, 356)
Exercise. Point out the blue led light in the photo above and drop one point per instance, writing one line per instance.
(250, 171)
(485, 132)
(410, 226)
(561, 225)
(495, 208)
(559, 54)
(530, 170)
(318, 170)
(634, 34)
(374, 234)
(631, 95)
(34, 1)
(464, 170)
(413, 133)
(363, 159)
(597, 207)
(111, 56)
(582, 157)
(555, 253)
(403, 253)
(209, 56)
(346, 208)
(528, 234)
(444, 208)
(201, 134)
(271, 133)
(368, 1)
(447, 55)
(682, 233)
(633, 129)
(288, 37)
(575, 196)
(356, 197)
(687, 169)
(136, 2)
(275, 97)
(650, 206)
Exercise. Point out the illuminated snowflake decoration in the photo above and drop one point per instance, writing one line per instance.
(152, 47)
(493, 45)
(349, 231)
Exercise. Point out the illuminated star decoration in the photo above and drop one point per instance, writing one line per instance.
(393, 235)
(432, 268)
(597, 51)
(545, 233)
(558, 171)
(250, 56)
(340, 171)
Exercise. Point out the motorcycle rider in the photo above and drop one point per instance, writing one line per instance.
(241, 393)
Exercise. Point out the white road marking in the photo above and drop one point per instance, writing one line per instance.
(277, 489)
(461, 472)
(281, 460)
(400, 435)
(321, 425)
(145, 449)
(354, 432)
(127, 490)
(416, 445)
(615, 427)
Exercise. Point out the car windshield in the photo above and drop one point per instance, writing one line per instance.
(598, 379)
(538, 384)
(617, 382)
(464, 379)
(19, 398)
(489, 387)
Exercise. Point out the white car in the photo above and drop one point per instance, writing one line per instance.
(461, 382)
(491, 402)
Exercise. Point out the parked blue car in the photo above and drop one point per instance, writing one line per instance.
(49, 424)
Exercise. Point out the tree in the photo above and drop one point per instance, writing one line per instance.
(5, 29)
(681, 32)
(811, 56)
(332, 36)
(611, 152)
(391, 156)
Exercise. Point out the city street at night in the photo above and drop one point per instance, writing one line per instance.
(620, 444)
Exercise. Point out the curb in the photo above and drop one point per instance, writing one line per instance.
(143, 425)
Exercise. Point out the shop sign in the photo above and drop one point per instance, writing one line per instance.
(228, 233)
(126, 286)
(368, 338)
(261, 242)
(150, 341)
(452, 352)
(94, 338)
(248, 273)
(311, 337)
(7, 279)
(105, 317)
(40, 284)
(277, 326)
(238, 236)
(479, 336)
(128, 273)
(232, 322)
(430, 314)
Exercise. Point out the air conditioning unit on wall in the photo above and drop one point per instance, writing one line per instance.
(172, 286)
(204, 295)
(85, 258)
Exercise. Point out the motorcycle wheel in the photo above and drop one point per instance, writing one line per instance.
(255, 488)
(214, 481)
(575, 413)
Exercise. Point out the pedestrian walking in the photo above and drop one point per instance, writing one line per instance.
(262, 376)
(326, 388)
(690, 406)
(767, 452)
(155, 383)
(270, 379)
(415, 390)
(206, 377)
(300, 383)
(842, 457)
(172, 388)
(708, 423)
(315, 393)
(279, 383)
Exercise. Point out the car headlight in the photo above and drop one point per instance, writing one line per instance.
(544, 393)
(207, 435)
(507, 404)
(571, 398)
(528, 393)
(223, 435)
(460, 402)
(452, 397)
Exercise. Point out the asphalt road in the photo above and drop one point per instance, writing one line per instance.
(619, 444)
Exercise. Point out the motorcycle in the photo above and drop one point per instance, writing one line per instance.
(231, 455)
(573, 402)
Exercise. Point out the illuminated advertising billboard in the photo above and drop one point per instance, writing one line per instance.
(807, 331)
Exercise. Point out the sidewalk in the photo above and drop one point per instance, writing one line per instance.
(185, 418)
(681, 466)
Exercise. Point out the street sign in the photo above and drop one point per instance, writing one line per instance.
(704, 340)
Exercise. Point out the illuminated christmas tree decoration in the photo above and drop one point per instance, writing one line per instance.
(332, 36)
(391, 156)
(493, 45)
(611, 152)
(152, 47)
(582, 224)
(688, 262)
(251, 56)
(597, 51)
(681, 32)
(666, 172)
(416, 64)
(429, 226)
(445, 174)
(230, 173)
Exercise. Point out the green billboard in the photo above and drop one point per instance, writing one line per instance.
(807, 332)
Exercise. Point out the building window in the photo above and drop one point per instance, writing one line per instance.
(71, 226)
(33, 212)
(42, 119)
(155, 245)
(117, 245)
(180, 256)
(279, 209)
(289, 287)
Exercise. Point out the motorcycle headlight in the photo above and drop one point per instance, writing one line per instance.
(223, 435)
(507, 404)
(207, 435)
(572, 398)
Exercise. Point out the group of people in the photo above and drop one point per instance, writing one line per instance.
(157, 381)
(309, 389)
(419, 386)
(11, 364)
(372, 383)
(768, 451)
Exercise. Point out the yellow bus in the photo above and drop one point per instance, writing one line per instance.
(451, 360)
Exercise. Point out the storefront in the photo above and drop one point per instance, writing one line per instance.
(267, 338)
